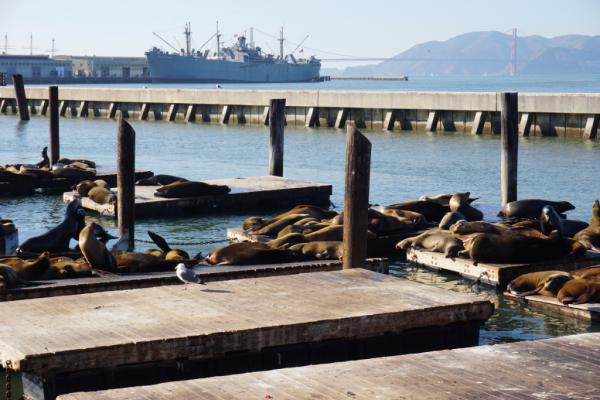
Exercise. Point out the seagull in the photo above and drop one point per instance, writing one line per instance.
(218, 86)
(187, 275)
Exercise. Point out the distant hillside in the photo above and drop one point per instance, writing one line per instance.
(562, 55)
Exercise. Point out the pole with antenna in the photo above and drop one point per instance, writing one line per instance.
(218, 41)
(31, 45)
(281, 39)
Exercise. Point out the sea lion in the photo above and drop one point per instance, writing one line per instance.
(546, 283)
(68, 161)
(83, 188)
(418, 219)
(160, 180)
(580, 290)
(44, 159)
(531, 223)
(94, 251)
(7, 226)
(450, 219)
(459, 202)
(71, 270)
(304, 221)
(37, 173)
(67, 172)
(394, 223)
(465, 227)
(132, 263)
(310, 211)
(532, 208)
(439, 241)
(180, 255)
(28, 270)
(274, 228)
(590, 236)
(290, 240)
(57, 238)
(156, 253)
(169, 253)
(526, 231)
(489, 248)
(406, 243)
(102, 196)
(431, 210)
(248, 254)
(326, 250)
(190, 189)
(9, 176)
(9, 278)
(251, 223)
(291, 229)
(332, 233)
(101, 183)
(444, 199)
(551, 221)
(584, 272)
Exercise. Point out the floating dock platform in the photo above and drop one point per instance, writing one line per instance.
(587, 311)
(101, 341)
(107, 173)
(65, 287)
(496, 275)
(246, 193)
(555, 368)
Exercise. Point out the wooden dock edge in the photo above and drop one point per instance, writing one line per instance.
(9, 242)
(587, 312)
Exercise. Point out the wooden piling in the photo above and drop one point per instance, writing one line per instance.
(276, 126)
(54, 118)
(509, 107)
(20, 96)
(356, 200)
(126, 179)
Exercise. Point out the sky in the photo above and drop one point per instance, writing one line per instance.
(353, 28)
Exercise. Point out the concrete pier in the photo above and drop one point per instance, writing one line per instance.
(540, 114)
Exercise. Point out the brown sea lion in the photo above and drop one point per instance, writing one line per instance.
(394, 223)
(9, 176)
(132, 263)
(291, 229)
(311, 211)
(450, 219)
(28, 270)
(94, 251)
(551, 221)
(290, 240)
(331, 233)
(7, 226)
(9, 279)
(248, 254)
(526, 231)
(37, 173)
(101, 183)
(418, 219)
(69, 161)
(546, 283)
(439, 241)
(66, 172)
(67, 270)
(190, 189)
(251, 223)
(406, 243)
(532, 208)
(155, 252)
(160, 180)
(44, 159)
(459, 202)
(84, 187)
(305, 221)
(102, 196)
(167, 252)
(444, 199)
(466, 227)
(327, 250)
(531, 223)
(590, 237)
(431, 210)
(590, 271)
(580, 290)
(180, 255)
(274, 228)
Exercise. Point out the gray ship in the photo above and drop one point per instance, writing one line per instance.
(241, 63)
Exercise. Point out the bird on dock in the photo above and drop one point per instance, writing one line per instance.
(187, 275)
(145, 87)
(218, 86)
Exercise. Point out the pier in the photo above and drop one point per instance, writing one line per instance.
(551, 368)
(100, 341)
(539, 114)
(366, 78)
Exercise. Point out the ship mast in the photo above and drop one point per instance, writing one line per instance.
(218, 42)
(187, 34)
(281, 39)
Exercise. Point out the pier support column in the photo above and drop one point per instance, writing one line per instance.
(390, 120)
(112, 109)
(32, 107)
(356, 199)
(126, 179)
(276, 127)
(265, 116)
(95, 109)
(432, 121)
(172, 112)
(525, 124)
(83, 109)
(190, 115)
(312, 117)
(591, 126)
(4, 105)
(340, 121)
(20, 96)
(479, 122)
(54, 120)
(44, 107)
(509, 114)
(62, 108)
(144, 111)
(225, 114)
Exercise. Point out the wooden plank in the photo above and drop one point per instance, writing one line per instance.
(246, 319)
(245, 192)
(525, 370)
(588, 311)
(497, 274)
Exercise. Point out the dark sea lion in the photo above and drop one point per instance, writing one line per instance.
(169, 253)
(431, 210)
(533, 208)
(497, 249)
(160, 180)
(248, 254)
(94, 251)
(57, 238)
(584, 272)
(190, 189)
(551, 221)
(290, 240)
(69, 270)
(526, 231)
(467, 240)
(590, 236)
(277, 226)
(326, 250)
(406, 243)
(317, 227)
(9, 176)
(156, 253)
(67, 172)
(532, 223)
(28, 270)
(546, 283)
(459, 202)
(580, 290)
(44, 159)
(132, 263)
(439, 241)
(84, 187)
(69, 161)
(333, 233)
(9, 279)
(418, 219)
(310, 211)
(395, 223)
(291, 229)
(251, 223)
(450, 219)
(102, 196)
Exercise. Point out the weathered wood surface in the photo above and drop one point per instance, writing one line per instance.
(247, 192)
(556, 368)
(66, 287)
(126, 179)
(107, 173)
(53, 119)
(497, 274)
(588, 311)
(509, 107)
(276, 132)
(21, 97)
(44, 337)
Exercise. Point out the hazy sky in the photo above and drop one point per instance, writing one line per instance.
(359, 28)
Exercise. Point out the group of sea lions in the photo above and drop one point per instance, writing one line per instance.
(575, 287)
(98, 191)
(174, 187)
(64, 168)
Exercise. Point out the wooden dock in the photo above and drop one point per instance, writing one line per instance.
(557, 368)
(496, 275)
(9, 242)
(107, 173)
(100, 341)
(246, 193)
(66, 287)
(587, 312)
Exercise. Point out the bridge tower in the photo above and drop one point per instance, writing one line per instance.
(513, 54)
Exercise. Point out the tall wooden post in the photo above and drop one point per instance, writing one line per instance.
(20, 96)
(53, 114)
(126, 179)
(356, 198)
(276, 124)
(509, 108)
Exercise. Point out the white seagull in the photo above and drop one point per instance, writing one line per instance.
(218, 86)
(187, 275)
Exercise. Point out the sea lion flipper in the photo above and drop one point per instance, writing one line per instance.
(159, 241)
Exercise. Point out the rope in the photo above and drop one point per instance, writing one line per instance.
(184, 244)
